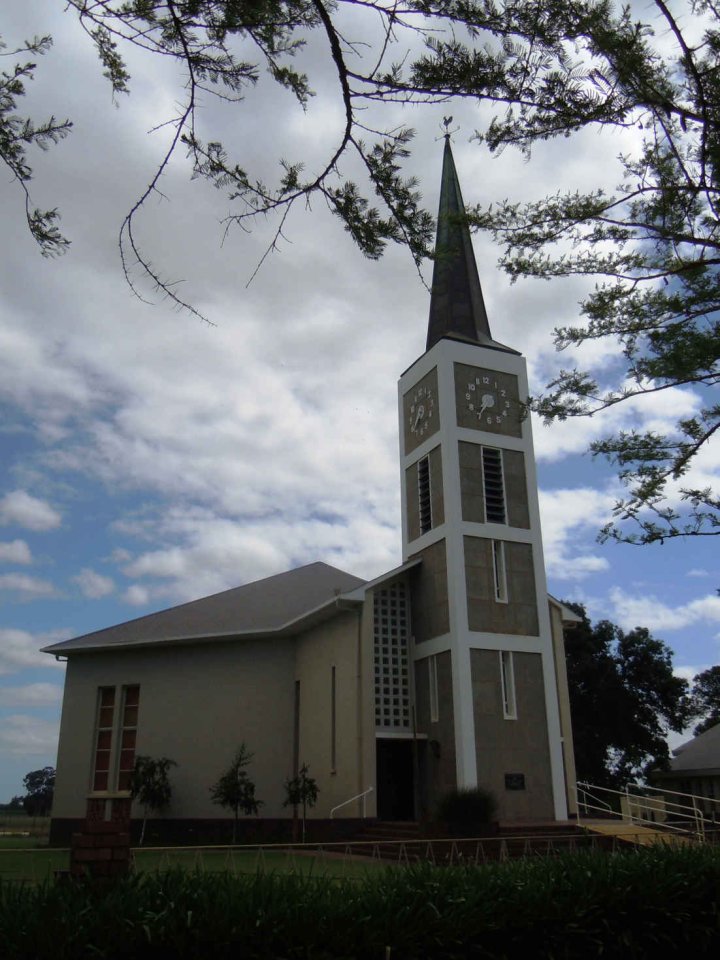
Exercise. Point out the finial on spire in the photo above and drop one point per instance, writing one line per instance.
(446, 121)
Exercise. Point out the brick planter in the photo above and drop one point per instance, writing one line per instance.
(101, 851)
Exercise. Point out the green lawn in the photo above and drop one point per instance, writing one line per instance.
(20, 859)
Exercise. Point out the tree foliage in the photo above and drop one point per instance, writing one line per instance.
(548, 70)
(39, 791)
(235, 790)
(706, 698)
(150, 785)
(624, 700)
(17, 133)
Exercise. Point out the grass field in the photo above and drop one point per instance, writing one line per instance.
(23, 860)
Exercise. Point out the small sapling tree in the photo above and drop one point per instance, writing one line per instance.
(235, 789)
(150, 785)
(301, 790)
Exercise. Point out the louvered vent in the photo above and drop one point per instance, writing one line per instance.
(494, 486)
(424, 501)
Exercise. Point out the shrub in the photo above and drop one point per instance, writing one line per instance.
(463, 811)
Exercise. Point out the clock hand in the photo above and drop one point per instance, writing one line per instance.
(420, 413)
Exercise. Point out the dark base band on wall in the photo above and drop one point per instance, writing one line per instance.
(197, 832)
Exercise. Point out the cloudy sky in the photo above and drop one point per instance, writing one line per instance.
(148, 458)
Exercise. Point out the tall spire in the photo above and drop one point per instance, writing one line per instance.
(457, 309)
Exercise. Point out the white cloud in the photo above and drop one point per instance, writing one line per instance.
(650, 612)
(689, 673)
(206, 553)
(22, 734)
(137, 595)
(15, 551)
(31, 695)
(22, 587)
(696, 572)
(20, 649)
(21, 508)
(567, 516)
(94, 585)
(120, 555)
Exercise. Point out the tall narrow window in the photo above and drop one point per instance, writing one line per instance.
(434, 701)
(115, 738)
(507, 680)
(128, 736)
(103, 740)
(499, 572)
(296, 731)
(424, 498)
(493, 485)
(333, 727)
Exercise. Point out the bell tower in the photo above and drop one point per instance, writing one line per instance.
(484, 672)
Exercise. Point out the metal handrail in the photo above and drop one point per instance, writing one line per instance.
(586, 793)
(359, 796)
(693, 816)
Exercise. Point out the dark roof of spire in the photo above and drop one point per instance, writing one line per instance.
(457, 308)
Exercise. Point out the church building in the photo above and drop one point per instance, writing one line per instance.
(446, 672)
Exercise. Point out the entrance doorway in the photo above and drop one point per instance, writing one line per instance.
(395, 793)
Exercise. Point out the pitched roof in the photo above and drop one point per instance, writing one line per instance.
(457, 308)
(702, 753)
(274, 604)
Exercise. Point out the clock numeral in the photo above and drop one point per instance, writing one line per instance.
(471, 406)
(471, 386)
(503, 393)
(467, 396)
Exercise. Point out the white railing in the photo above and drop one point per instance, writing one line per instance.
(359, 796)
(643, 804)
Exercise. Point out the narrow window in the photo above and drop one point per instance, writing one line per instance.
(499, 571)
(494, 485)
(424, 500)
(507, 679)
(333, 727)
(434, 701)
(296, 731)
(103, 739)
(128, 736)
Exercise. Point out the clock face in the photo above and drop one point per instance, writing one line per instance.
(487, 400)
(421, 411)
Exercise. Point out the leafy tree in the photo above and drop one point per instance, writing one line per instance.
(624, 699)
(301, 790)
(40, 789)
(150, 785)
(235, 789)
(546, 70)
(706, 698)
